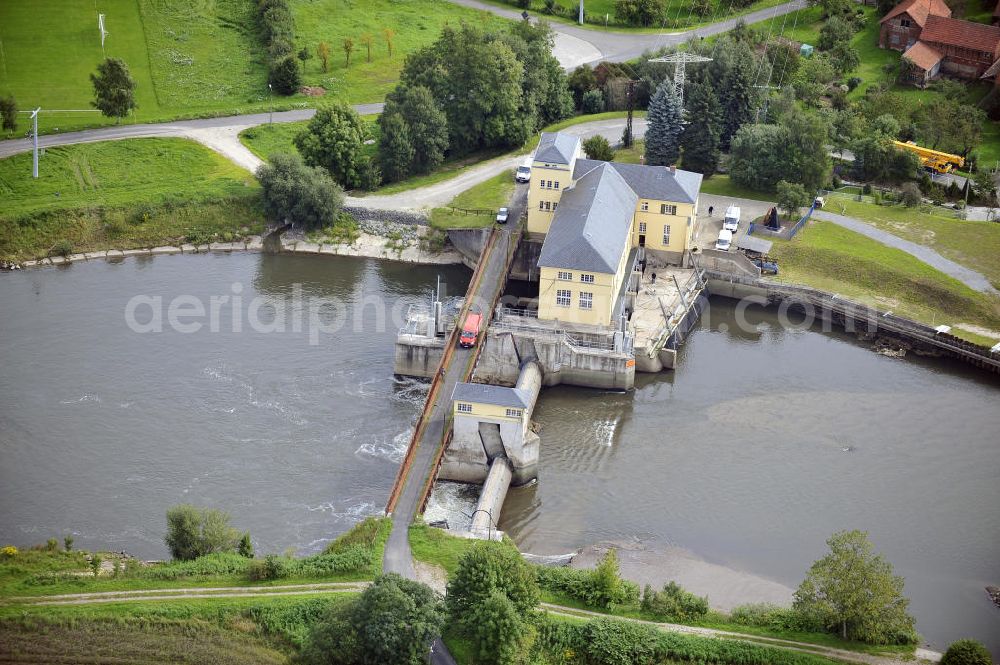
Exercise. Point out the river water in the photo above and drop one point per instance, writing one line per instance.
(749, 456)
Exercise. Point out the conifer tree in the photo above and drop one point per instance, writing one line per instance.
(663, 133)
(701, 135)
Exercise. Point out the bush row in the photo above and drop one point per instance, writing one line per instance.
(773, 617)
(277, 28)
(586, 586)
(615, 642)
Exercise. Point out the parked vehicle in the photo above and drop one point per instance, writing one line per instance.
(766, 267)
(470, 331)
(502, 215)
(523, 173)
(725, 240)
(819, 202)
(731, 222)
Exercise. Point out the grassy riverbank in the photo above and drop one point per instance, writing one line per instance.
(831, 258)
(439, 548)
(477, 206)
(123, 195)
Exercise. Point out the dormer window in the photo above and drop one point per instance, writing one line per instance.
(905, 22)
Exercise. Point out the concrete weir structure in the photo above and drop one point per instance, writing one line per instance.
(494, 423)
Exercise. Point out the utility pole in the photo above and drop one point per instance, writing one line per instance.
(270, 99)
(34, 138)
(581, 12)
(680, 59)
(627, 138)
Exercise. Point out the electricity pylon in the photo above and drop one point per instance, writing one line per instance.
(680, 60)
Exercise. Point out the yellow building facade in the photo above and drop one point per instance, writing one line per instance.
(591, 213)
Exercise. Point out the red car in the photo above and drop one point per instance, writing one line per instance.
(470, 331)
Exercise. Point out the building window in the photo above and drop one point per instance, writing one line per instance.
(644, 206)
(587, 279)
(666, 234)
(565, 276)
(586, 300)
(548, 206)
(563, 298)
(513, 413)
(556, 184)
(555, 204)
(464, 408)
(541, 205)
(667, 209)
(905, 22)
(642, 227)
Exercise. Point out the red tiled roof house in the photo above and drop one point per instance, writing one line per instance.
(901, 27)
(933, 43)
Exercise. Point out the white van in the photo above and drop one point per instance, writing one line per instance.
(523, 173)
(732, 219)
(725, 240)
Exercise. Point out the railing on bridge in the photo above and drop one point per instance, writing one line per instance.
(526, 322)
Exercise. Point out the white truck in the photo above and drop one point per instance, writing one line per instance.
(731, 222)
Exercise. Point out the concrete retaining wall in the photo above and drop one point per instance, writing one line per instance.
(469, 243)
(525, 265)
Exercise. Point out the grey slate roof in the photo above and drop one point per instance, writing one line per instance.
(651, 182)
(754, 244)
(556, 148)
(591, 227)
(485, 394)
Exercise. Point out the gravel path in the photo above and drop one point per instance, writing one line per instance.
(967, 276)
(790, 645)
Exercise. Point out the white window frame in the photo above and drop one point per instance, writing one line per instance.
(586, 300)
(586, 278)
(541, 205)
(564, 297)
(555, 204)
(666, 234)
(644, 206)
(548, 206)
(513, 413)
(564, 276)
(668, 209)
(556, 183)
(642, 228)
(464, 407)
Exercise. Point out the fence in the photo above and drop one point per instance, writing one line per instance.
(784, 234)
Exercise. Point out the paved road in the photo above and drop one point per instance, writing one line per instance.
(576, 45)
(967, 276)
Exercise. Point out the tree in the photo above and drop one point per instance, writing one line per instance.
(794, 149)
(664, 127)
(967, 652)
(388, 34)
(834, 31)
(640, 12)
(193, 532)
(425, 121)
(294, 192)
(844, 58)
(286, 76)
(489, 566)
(702, 7)
(597, 147)
(397, 620)
(304, 55)
(323, 51)
(856, 591)
(737, 96)
(700, 140)
(245, 548)
(593, 102)
(95, 564)
(334, 139)
(477, 80)
(580, 82)
(393, 622)
(911, 194)
(348, 46)
(114, 89)
(367, 39)
(68, 543)
(395, 149)
(501, 634)
(8, 113)
(791, 196)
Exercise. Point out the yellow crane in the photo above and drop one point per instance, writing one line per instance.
(935, 160)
